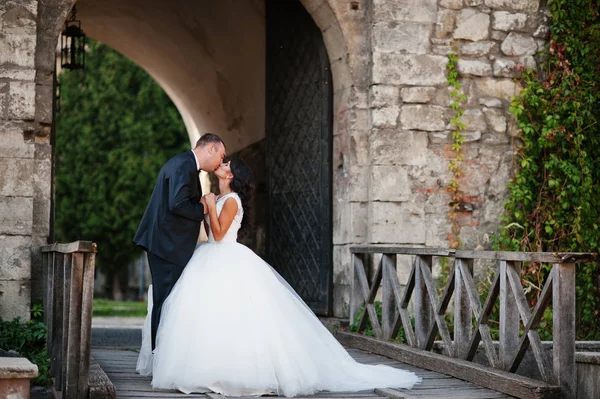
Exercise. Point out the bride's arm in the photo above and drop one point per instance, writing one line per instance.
(219, 225)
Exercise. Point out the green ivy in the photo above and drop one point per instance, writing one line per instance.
(554, 202)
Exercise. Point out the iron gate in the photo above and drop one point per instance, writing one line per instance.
(299, 141)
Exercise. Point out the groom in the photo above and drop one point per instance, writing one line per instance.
(170, 226)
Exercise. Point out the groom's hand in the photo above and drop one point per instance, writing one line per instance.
(210, 199)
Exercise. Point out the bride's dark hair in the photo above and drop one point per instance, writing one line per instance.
(242, 184)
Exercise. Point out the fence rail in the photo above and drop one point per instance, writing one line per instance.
(68, 280)
(470, 316)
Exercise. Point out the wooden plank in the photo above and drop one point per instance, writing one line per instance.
(73, 342)
(563, 328)
(356, 298)
(488, 377)
(509, 316)
(389, 314)
(62, 378)
(533, 336)
(440, 322)
(72, 247)
(423, 309)
(395, 286)
(48, 269)
(462, 312)
(533, 322)
(57, 323)
(483, 331)
(87, 296)
(374, 249)
(368, 295)
(482, 321)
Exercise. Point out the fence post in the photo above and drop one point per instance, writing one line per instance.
(563, 328)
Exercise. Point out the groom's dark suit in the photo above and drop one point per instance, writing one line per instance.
(170, 226)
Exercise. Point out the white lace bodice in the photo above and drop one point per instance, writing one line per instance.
(231, 235)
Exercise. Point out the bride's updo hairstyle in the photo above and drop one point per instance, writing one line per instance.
(242, 184)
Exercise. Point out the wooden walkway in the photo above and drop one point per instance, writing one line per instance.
(119, 365)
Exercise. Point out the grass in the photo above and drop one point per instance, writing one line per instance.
(107, 307)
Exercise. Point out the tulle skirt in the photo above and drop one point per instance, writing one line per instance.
(232, 325)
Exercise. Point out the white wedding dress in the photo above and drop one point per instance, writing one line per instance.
(232, 325)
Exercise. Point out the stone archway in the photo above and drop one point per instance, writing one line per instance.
(179, 51)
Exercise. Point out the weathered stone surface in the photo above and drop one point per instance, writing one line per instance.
(12, 142)
(506, 21)
(452, 4)
(446, 137)
(474, 67)
(44, 97)
(501, 176)
(473, 3)
(400, 223)
(409, 37)
(496, 119)
(498, 35)
(17, 74)
(384, 96)
(21, 104)
(474, 120)
(504, 68)
(15, 301)
(16, 177)
(442, 50)
(385, 117)
(445, 24)
(415, 70)
(359, 119)
(40, 224)
(350, 222)
(3, 100)
(359, 178)
(359, 147)
(477, 49)
(472, 25)
(391, 147)
(417, 94)
(528, 61)
(15, 257)
(17, 50)
(514, 5)
(516, 44)
(405, 10)
(342, 265)
(389, 183)
(542, 31)
(16, 215)
(423, 117)
(491, 102)
(341, 300)
(499, 88)
(19, 19)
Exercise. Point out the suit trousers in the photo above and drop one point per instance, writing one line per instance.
(164, 276)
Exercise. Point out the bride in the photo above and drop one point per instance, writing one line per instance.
(232, 325)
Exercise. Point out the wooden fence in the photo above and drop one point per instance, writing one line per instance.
(68, 277)
(518, 325)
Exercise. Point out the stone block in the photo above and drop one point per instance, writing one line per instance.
(341, 301)
(19, 19)
(474, 120)
(389, 183)
(506, 21)
(491, 102)
(472, 25)
(446, 137)
(18, 50)
(15, 257)
(16, 215)
(473, 3)
(499, 88)
(423, 117)
(386, 117)
(358, 181)
(445, 24)
(15, 301)
(516, 44)
(405, 69)
(501, 177)
(359, 147)
(408, 37)
(405, 10)
(417, 94)
(21, 100)
(498, 35)
(342, 265)
(504, 68)
(477, 49)
(17, 74)
(496, 119)
(44, 98)
(514, 5)
(399, 223)
(16, 178)
(3, 100)
(350, 221)
(384, 96)
(451, 4)
(12, 141)
(474, 68)
(392, 147)
(359, 119)
(40, 224)
(442, 50)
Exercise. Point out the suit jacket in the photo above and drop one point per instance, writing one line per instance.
(171, 223)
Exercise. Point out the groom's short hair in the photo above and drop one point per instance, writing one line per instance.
(208, 138)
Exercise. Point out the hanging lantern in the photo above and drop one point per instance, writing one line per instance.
(72, 44)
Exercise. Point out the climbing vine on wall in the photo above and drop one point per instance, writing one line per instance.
(554, 202)
(458, 99)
